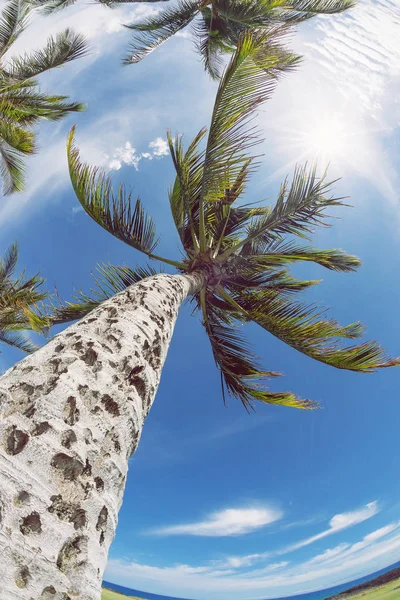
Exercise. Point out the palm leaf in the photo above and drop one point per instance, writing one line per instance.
(110, 281)
(300, 325)
(113, 211)
(19, 341)
(298, 210)
(64, 48)
(22, 103)
(8, 265)
(12, 169)
(12, 22)
(155, 30)
(240, 374)
(184, 195)
(296, 11)
(249, 80)
(279, 253)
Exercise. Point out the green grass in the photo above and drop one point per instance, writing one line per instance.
(110, 595)
(388, 591)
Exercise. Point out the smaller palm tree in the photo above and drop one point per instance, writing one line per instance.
(218, 24)
(19, 299)
(241, 252)
(22, 104)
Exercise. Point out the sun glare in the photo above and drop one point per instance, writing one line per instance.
(326, 138)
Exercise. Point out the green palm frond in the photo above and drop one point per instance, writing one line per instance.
(110, 280)
(13, 20)
(155, 30)
(19, 341)
(299, 209)
(59, 50)
(8, 264)
(211, 41)
(113, 211)
(23, 104)
(12, 169)
(240, 373)
(300, 325)
(248, 81)
(279, 253)
(19, 303)
(184, 195)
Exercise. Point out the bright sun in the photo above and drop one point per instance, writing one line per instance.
(325, 138)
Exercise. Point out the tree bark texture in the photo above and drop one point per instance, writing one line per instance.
(70, 417)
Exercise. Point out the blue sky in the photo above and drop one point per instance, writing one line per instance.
(220, 503)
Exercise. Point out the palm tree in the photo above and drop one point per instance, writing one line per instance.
(19, 298)
(22, 104)
(91, 387)
(218, 24)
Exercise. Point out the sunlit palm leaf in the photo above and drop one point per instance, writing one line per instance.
(115, 212)
(155, 30)
(26, 106)
(248, 81)
(298, 210)
(110, 281)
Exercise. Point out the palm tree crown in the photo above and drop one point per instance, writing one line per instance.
(218, 24)
(18, 303)
(242, 250)
(22, 104)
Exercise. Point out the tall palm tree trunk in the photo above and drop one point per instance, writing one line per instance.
(70, 417)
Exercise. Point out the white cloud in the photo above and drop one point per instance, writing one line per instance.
(218, 579)
(231, 521)
(338, 523)
(159, 147)
(127, 155)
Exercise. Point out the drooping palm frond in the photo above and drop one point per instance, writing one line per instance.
(13, 20)
(110, 280)
(300, 325)
(115, 212)
(59, 50)
(240, 373)
(155, 30)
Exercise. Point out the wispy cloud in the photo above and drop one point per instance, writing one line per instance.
(341, 107)
(338, 523)
(231, 521)
(234, 576)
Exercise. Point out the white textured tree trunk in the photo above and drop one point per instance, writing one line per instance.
(70, 417)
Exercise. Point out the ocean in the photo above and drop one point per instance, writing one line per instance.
(320, 595)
